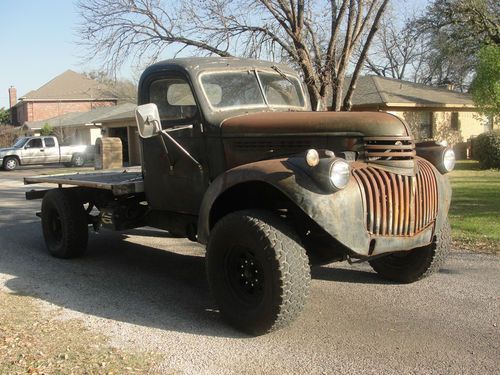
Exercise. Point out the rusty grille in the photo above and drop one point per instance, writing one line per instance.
(398, 205)
(389, 148)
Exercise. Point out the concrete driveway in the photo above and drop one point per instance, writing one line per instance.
(146, 291)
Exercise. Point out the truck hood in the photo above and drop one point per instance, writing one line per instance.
(7, 149)
(314, 123)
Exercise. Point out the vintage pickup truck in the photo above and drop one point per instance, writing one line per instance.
(42, 150)
(234, 158)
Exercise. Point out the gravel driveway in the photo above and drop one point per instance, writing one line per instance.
(146, 291)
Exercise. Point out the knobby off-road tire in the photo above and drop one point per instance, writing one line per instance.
(10, 163)
(418, 263)
(258, 272)
(64, 224)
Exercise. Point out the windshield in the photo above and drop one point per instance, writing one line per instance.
(243, 89)
(20, 142)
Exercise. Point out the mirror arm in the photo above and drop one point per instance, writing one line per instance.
(184, 151)
(170, 165)
(175, 128)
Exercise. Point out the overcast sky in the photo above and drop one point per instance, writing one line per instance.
(38, 42)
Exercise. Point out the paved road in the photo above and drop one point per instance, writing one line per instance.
(147, 291)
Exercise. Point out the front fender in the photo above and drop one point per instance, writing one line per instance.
(294, 183)
(344, 215)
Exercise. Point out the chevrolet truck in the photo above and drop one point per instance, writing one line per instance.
(234, 158)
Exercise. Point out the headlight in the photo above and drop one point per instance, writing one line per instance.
(312, 157)
(339, 174)
(449, 160)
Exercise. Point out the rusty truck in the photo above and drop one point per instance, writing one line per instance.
(234, 158)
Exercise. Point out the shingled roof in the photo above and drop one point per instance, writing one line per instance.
(71, 85)
(383, 92)
(78, 119)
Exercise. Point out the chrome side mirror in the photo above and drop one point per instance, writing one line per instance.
(148, 120)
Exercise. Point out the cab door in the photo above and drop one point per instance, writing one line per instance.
(33, 152)
(173, 163)
(51, 150)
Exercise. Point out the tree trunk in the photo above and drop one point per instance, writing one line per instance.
(347, 104)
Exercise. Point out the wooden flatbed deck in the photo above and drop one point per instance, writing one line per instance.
(119, 182)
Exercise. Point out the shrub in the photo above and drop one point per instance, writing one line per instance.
(46, 129)
(487, 149)
(8, 134)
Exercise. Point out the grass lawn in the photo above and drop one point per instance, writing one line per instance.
(475, 208)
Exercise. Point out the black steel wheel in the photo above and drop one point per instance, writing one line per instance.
(258, 272)
(413, 265)
(10, 163)
(64, 224)
(78, 160)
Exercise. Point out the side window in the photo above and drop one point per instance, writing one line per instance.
(49, 142)
(174, 99)
(35, 143)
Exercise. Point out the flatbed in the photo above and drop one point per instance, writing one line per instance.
(119, 182)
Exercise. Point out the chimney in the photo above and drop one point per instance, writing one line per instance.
(12, 96)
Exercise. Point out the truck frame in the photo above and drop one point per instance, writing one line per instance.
(234, 158)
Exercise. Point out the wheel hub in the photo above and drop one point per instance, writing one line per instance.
(245, 274)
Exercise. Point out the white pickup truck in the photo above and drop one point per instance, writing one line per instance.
(43, 150)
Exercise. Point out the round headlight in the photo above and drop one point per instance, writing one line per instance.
(449, 160)
(339, 174)
(312, 157)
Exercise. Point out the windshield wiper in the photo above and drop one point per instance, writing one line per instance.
(280, 72)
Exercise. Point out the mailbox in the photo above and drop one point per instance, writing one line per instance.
(108, 153)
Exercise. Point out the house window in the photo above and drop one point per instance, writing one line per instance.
(425, 125)
(455, 122)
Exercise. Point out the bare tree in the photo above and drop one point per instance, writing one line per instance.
(125, 90)
(323, 38)
(398, 51)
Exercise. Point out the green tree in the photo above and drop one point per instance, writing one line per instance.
(455, 31)
(4, 116)
(46, 129)
(485, 87)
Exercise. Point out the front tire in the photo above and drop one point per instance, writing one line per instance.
(10, 163)
(257, 271)
(64, 224)
(408, 267)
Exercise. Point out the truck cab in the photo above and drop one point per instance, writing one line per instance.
(234, 158)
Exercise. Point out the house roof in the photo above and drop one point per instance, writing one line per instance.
(78, 119)
(125, 111)
(375, 91)
(70, 85)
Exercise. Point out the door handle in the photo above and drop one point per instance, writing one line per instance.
(42, 150)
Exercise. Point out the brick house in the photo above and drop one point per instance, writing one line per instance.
(68, 92)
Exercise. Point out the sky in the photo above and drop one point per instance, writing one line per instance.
(39, 41)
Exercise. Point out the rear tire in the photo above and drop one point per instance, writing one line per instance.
(78, 160)
(257, 271)
(10, 163)
(64, 224)
(416, 264)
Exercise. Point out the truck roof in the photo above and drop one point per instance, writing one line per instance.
(195, 64)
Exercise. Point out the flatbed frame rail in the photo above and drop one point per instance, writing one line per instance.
(121, 182)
